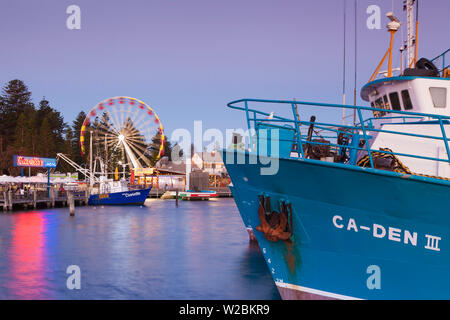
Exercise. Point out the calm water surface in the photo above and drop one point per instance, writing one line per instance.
(199, 250)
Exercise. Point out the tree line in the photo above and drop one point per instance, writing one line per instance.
(30, 130)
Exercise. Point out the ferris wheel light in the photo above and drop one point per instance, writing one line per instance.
(127, 123)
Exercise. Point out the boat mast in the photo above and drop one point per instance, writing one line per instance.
(106, 157)
(411, 40)
(91, 178)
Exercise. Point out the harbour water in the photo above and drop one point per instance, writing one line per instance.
(198, 250)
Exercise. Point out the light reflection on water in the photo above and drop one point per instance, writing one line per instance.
(199, 250)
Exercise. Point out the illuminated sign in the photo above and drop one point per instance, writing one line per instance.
(143, 171)
(22, 161)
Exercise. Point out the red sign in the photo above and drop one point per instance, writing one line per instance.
(29, 162)
(22, 161)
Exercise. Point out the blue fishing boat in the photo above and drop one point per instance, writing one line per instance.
(117, 193)
(352, 211)
(133, 197)
(242, 211)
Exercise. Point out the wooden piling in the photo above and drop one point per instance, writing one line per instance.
(34, 199)
(10, 200)
(176, 198)
(52, 197)
(5, 203)
(71, 203)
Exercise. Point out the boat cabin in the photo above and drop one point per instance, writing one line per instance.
(409, 93)
(417, 94)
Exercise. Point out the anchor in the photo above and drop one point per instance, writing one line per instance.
(275, 225)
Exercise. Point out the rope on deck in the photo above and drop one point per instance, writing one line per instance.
(396, 164)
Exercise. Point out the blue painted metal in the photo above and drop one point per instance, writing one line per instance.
(298, 132)
(445, 137)
(404, 119)
(365, 129)
(132, 197)
(338, 224)
(443, 56)
(266, 134)
(365, 138)
(248, 123)
(339, 210)
(241, 206)
(354, 149)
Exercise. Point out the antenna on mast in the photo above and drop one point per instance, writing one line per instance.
(356, 61)
(343, 76)
(411, 36)
(392, 27)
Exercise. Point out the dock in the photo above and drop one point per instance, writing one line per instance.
(222, 192)
(38, 198)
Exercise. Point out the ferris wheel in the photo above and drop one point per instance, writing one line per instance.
(125, 128)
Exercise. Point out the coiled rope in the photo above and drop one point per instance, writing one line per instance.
(396, 164)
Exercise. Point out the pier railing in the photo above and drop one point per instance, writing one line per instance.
(299, 133)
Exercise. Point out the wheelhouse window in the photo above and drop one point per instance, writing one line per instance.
(395, 100)
(407, 104)
(379, 103)
(439, 97)
(386, 103)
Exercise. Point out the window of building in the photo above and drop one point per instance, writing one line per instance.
(407, 104)
(395, 100)
(439, 97)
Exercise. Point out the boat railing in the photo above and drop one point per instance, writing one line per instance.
(302, 134)
(384, 74)
(442, 61)
(402, 119)
(134, 187)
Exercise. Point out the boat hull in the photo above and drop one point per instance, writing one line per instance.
(358, 233)
(248, 227)
(134, 197)
(193, 195)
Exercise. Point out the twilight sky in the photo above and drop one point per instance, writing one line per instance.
(188, 58)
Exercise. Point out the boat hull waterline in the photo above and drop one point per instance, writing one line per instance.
(358, 233)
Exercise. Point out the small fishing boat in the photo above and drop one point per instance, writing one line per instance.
(117, 193)
(197, 195)
(353, 211)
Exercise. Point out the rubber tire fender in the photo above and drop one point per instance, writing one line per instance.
(424, 63)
